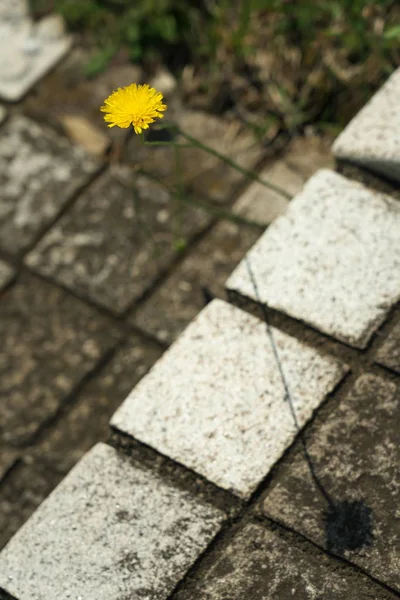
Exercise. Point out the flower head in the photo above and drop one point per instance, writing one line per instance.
(137, 105)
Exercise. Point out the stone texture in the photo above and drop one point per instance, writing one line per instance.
(355, 454)
(6, 274)
(202, 173)
(3, 114)
(309, 153)
(264, 563)
(388, 354)
(39, 173)
(215, 401)
(27, 49)
(262, 205)
(42, 467)
(332, 260)
(7, 460)
(372, 138)
(49, 342)
(201, 275)
(111, 530)
(116, 240)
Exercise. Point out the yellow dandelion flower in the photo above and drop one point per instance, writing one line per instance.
(137, 105)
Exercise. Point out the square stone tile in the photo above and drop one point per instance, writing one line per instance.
(262, 205)
(355, 453)
(49, 342)
(27, 49)
(388, 353)
(39, 172)
(331, 261)
(215, 401)
(180, 298)
(6, 274)
(207, 176)
(111, 530)
(372, 137)
(111, 247)
(265, 563)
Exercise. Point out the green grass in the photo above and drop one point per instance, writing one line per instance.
(327, 56)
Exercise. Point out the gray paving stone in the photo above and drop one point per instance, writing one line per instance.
(202, 173)
(388, 353)
(372, 138)
(112, 248)
(262, 205)
(49, 342)
(39, 173)
(355, 453)
(6, 274)
(264, 563)
(86, 423)
(215, 401)
(109, 531)
(27, 49)
(180, 298)
(332, 260)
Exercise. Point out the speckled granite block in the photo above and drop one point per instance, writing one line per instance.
(372, 138)
(109, 531)
(6, 274)
(27, 49)
(49, 342)
(388, 353)
(215, 401)
(115, 241)
(265, 563)
(332, 261)
(39, 172)
(356, 455)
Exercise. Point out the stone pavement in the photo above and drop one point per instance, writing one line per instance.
(206, 487)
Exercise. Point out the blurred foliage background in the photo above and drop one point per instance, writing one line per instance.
(283, 63)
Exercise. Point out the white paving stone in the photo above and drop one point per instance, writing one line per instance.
(372, 139)
(333, 260)
(27, 50)
(215, 401)
(110, 531)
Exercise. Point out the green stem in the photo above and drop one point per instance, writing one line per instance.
(234, 165)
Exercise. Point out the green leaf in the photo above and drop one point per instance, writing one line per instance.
(392, 33)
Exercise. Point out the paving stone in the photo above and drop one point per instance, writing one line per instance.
(265, 563)
(355, 454)
(215, 401)
(112, 247)
(262, 205)
(388, 354)
(39, 173)
(332, 260)
(50, 341)
(202, 173)
(371, 139)
(309, 153)
(27, 49)
(111, 530)
(6, 274)
(43, 466)
(201, 275)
